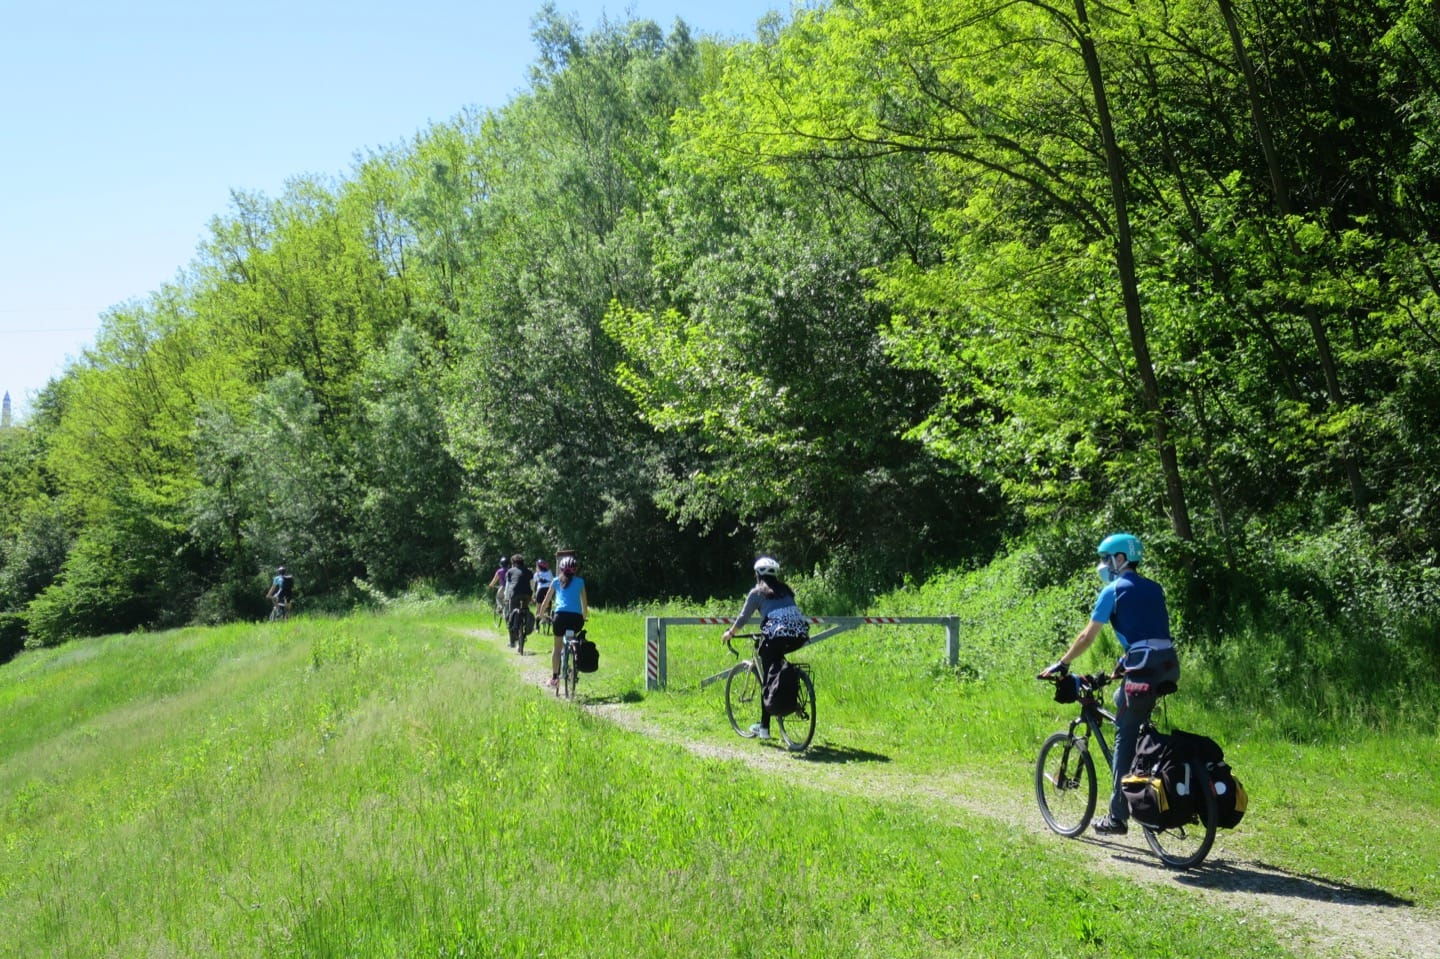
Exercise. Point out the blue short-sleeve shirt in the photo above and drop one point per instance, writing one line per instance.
(1134, 607)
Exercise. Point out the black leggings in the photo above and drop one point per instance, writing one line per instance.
(568, 620)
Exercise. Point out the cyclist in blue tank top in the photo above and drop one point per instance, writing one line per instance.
(571, 607)
(1135, 608)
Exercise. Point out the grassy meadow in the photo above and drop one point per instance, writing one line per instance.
(387, 785)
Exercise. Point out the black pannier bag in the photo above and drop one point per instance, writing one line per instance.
(587, 655)
(1158, 786)
(781, 695)
(1230, 797)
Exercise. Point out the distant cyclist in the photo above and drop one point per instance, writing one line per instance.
(570, 606)
(540, 581)
(498, 580)
(497, 583)
(280, 593)
(783, 628)
(517, 600)
(1135, 608)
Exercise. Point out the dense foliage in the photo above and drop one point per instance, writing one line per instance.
(876, 290)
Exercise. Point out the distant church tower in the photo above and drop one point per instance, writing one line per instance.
(5, 412)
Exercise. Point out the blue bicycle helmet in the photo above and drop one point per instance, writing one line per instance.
(1120, 543)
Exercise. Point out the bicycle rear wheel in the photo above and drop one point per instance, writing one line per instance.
(798, 728)
(1065, 784)
(1186, 846)
(742, 697)
(570, 673)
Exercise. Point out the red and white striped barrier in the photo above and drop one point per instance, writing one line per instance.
(655, 627)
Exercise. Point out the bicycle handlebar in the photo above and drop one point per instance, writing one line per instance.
(1092, 682)
(731, 645)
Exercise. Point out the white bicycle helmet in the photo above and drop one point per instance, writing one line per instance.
(767, 566)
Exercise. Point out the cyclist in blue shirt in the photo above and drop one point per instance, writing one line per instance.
(571, 608)
(282, 589)
(541, 580)
(1135, 608)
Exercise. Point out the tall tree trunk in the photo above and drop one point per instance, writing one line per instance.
(1129, 286)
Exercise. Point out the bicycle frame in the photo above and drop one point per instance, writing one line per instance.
(1093, 718)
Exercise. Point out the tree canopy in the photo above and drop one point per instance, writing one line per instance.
(879, 290)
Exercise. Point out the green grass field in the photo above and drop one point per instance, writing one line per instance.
(387, 785)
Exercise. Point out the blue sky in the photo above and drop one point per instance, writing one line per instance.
(124, 126)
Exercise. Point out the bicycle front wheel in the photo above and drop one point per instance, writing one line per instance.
(742, 698)
(1186, 846)
(798, 728)
(1065, 784)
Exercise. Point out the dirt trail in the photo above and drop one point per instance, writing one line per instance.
(1314, 916)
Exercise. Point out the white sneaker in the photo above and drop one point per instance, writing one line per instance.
(759, 731)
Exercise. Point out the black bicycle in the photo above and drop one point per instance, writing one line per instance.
(745, 686)
(521, 623)
(569, 663)
(1065, 784)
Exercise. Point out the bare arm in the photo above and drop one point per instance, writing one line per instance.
(1082, 642)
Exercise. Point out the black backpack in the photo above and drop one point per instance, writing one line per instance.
(781, 695)
(1158, 786)
(1194, 746)
(287, 587)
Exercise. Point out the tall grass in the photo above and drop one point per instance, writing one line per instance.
(385, 786)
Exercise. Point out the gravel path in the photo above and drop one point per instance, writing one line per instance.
(1315, 916)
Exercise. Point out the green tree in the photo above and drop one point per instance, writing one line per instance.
(553, 450)
(407, 488)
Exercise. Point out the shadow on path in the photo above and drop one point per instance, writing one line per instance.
(840, 754)
(1271, 881)
(611, 699)
(1258, 878)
